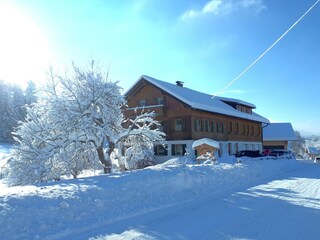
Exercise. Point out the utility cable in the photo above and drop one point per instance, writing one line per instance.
(268, 49)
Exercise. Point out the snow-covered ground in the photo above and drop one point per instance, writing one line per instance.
(257, 199)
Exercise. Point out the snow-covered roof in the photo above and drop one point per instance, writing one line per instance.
(279, 132)
(237, 101)
(203, 101)
(313, 150)
(207, 141)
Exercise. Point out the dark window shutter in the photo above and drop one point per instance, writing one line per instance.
(173, 149)
(183, 122)
(184, 146)
(155, 149)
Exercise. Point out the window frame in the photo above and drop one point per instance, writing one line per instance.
(175, 147)
(161, 147)
(178, 127)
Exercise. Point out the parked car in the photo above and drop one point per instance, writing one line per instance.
(317, 159)
(280, 152)
(248, 153)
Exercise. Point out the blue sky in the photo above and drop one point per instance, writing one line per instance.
(204, 43)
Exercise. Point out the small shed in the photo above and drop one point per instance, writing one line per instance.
(205, 148)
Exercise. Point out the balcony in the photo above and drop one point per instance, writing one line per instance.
(160, 110)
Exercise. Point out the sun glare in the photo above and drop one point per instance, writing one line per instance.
(24, 51)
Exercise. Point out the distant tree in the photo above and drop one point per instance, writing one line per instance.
(5, 109)
(12, 109)
(76, 123)
(17, 104)
(30, 93)
(298, 145)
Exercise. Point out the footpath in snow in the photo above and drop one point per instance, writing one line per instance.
(114, 206)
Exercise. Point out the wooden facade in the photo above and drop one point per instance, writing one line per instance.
(181, 122)
(275, 145)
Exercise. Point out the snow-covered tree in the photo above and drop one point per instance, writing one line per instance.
(139, 153)
(298, 146)
(11, 108)
(5, 109)
(30, 93)
(77, 122)
(139, 138)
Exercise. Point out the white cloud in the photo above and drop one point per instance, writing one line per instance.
(256, 4)
(212, 7)
(220, 7)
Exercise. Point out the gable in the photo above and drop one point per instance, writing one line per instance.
(149, 93)
(198, 100)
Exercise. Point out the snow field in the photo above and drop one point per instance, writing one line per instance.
(58, 210)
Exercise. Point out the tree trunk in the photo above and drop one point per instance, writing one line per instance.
(105, 163)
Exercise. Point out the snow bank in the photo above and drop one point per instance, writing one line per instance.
(61, 209)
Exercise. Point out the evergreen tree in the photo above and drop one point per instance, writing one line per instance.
(30, 93)
(12, 101)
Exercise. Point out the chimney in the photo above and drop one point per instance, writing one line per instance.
(179, 83)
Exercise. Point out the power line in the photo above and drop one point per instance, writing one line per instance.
(268, 49)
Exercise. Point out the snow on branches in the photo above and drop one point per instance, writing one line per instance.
(76, 124)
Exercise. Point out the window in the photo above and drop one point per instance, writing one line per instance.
(220, 127)
(259, 131)
(159, 100)
(178, 149)
(244, 109)
(162, 126)
(142, 102)
(237, 128)
(178, 125)
(161, 150)
(212, 126)
(230, 127)
(252, 130)
(207, 125)
(197, 124)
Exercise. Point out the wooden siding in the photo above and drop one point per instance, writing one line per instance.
(231, 128)
(225, 128)
(277, 144)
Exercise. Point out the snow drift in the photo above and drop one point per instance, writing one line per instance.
(58, 210)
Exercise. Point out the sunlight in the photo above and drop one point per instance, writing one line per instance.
(304, 193)
(24, 50)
